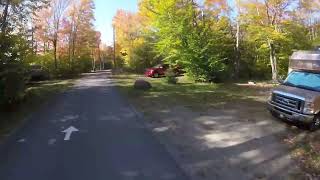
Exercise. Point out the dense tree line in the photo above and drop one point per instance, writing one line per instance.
(65, 31)
(56, 35)
(217, 40)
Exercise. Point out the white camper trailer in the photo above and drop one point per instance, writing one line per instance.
(305, 60)
(297, 99)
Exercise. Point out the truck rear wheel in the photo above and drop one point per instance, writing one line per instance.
(315, 125)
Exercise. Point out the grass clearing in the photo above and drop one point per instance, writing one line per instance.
(36, 94)
(186, 92)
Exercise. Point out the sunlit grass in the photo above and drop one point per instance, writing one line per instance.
(187, 92)
(47, 88)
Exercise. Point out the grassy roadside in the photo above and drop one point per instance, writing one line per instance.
(306, 150)
(36, 95)
(202, 96)
(186, 92)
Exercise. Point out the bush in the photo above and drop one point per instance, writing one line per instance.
(12, 84)
(108, 65)
(171, 77)
(83, 65)
(66, 69)
(38, 73)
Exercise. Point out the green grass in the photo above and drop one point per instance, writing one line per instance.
(36, 95)
(188, 93)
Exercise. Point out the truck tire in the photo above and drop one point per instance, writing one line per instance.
(315, 125)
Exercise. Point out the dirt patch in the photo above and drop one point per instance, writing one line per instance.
(233, 141)
(306, 150)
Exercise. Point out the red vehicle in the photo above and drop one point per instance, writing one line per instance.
(160, 70)
(157, 71)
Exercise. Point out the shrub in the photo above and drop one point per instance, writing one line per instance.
(65, 69)
(108, 65)
(171, 77)
(12, 84)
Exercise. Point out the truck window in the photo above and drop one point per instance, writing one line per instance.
(304, 80)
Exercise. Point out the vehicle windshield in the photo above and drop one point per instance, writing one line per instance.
(304, 80)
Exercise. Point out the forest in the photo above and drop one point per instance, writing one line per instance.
(218, 40)
(212, 40)
(54, 38)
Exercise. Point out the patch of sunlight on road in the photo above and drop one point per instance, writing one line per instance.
(161, 129)
(91, 83)
(225, 132)
(222, 140)
(254, 155)
(210, 119)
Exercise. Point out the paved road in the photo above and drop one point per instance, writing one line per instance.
(111, 144)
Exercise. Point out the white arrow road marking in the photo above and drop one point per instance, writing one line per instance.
(68, 132)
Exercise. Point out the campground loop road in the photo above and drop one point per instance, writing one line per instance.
(87, 133)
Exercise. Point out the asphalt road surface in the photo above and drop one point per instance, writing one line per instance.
(87, 133)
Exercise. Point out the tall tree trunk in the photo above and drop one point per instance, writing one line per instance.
(36, 48)
(4, 18)
(69, 49)
(273, 61)
(73, 44)
(313, 33)
(3, 25)
(99, 56)
(55, 43)
(238, 55)
(103, 63)
(32, 40)
(94, 64)
(44, 47)
(114, 48)
(73, 48)
(93, 61)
